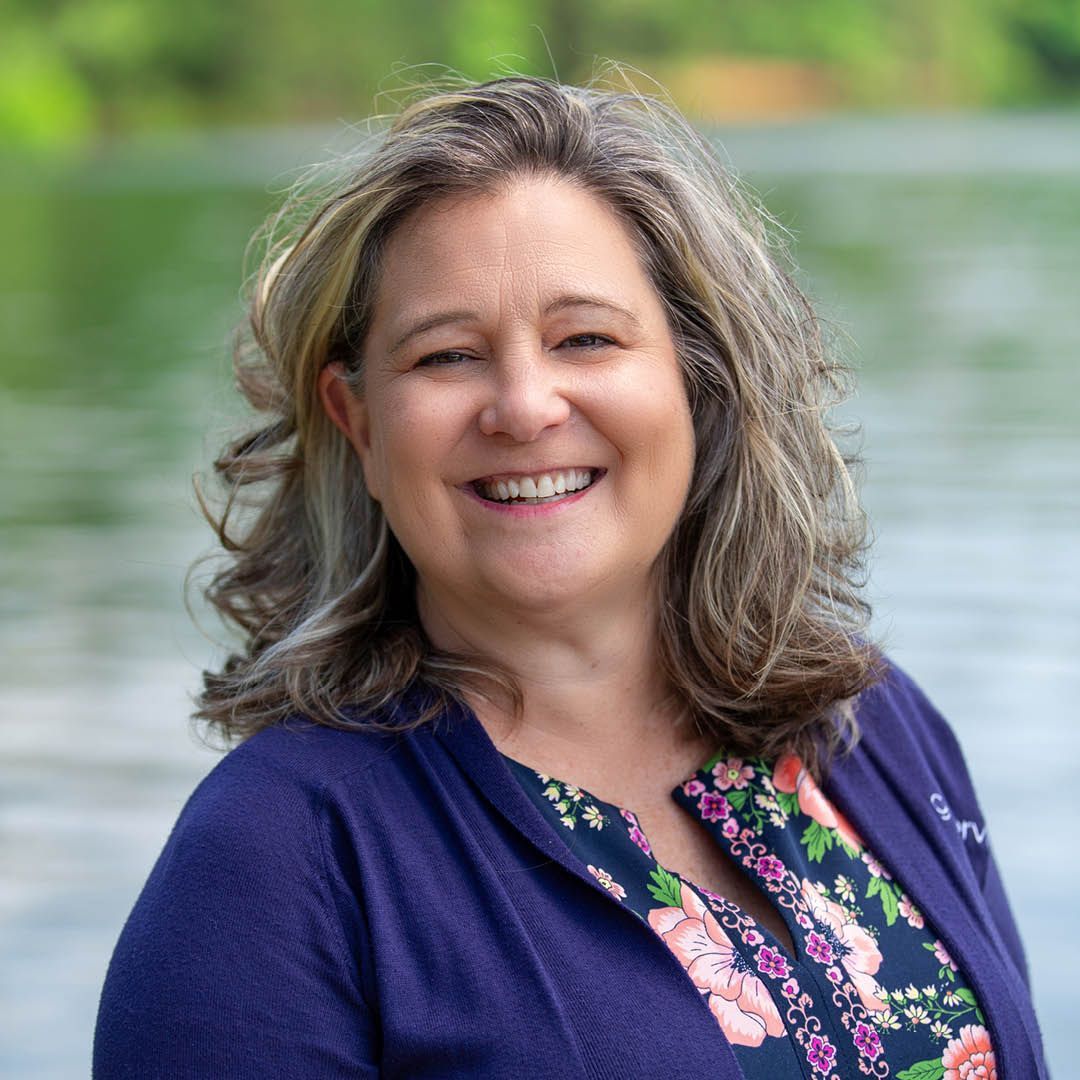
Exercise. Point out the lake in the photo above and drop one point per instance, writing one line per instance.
(942, 252)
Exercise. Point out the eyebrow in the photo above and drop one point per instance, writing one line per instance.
(560, 303)
(440, 318)
(572, 300)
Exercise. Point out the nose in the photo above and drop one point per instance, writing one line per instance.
(524, 398)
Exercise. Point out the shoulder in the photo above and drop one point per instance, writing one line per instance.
(265, 817)
(915, 747)
(895, 716)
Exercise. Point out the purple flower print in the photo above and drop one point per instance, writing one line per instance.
(713, 807)
(636, 834)
(730, 828)
(769, 866)
(771, 962)
(819, 948)
(821, 1054)
(867, 1040)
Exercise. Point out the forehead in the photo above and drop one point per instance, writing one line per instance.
(519, 243)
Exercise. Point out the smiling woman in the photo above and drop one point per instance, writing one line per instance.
(548, 373)
(556, 706)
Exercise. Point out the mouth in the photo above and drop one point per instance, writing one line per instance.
(534, 489)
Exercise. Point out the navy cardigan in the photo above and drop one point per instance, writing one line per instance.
(346, 904)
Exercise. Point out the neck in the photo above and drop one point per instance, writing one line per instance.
(593, 694)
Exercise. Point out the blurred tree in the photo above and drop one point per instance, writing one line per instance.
(86, 67)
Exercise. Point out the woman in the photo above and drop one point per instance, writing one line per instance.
(549, 592)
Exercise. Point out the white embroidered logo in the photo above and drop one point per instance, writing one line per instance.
(964, 827)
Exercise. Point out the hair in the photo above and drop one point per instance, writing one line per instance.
(762, 622)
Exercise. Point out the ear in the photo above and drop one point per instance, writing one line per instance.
(349, 414)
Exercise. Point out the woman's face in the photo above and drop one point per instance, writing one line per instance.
(523, 422)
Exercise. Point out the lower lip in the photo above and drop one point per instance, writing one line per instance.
(529, 510)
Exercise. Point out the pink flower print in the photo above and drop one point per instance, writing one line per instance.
(713, 807)
(943, 958)
(770, 868)
(752, 938)
(821, 1054)
(737, 998)
(608, 882)
(730, 828)
(971, 1057)
(804, 920)
(771, 962)
(833, 975)
(732, 774)
(867, 1041)
(636, 834)
(849, 943)
(790, 776)
(819, 948)
(875, 867)
(789, 988)
(911, 913)
(693, 787)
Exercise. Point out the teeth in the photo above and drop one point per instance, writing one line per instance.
(541, 486)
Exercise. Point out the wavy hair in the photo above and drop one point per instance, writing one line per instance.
(761, 617)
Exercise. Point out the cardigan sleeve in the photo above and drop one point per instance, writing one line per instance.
(235, 962)
(948, 764)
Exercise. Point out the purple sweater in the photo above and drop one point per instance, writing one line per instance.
(345, 904)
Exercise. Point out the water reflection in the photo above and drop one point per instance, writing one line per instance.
(957, 284)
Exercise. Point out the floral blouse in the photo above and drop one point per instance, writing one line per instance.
(870, 989)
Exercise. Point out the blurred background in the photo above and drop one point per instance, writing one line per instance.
(925, 159)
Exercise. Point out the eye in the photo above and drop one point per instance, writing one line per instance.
(442, 359)
(587, 341)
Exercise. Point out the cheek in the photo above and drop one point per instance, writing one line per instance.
(659, 430)
(412, 438)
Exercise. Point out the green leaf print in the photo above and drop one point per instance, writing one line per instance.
(788, 802)
(668, 888)
(708, 766)
(931, 1069)
(890, 903)
(817, 840)
(888, 895)
(851, 852)
(965, 995)
(738, 798)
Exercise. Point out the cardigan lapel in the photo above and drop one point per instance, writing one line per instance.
(897, 819)
(464, 738)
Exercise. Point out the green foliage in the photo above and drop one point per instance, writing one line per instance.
(71, 68)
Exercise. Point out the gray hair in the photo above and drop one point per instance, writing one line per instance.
(761, 618)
